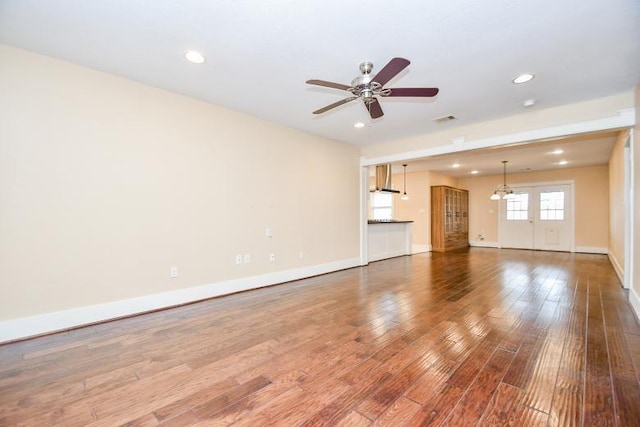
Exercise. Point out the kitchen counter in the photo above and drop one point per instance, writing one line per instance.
(388, 239)
(385, 221)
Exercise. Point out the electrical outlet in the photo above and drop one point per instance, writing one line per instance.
(301, 255)
(173, 272)
(272, 257)
(238, 259)
(268, 232)
(247, 258)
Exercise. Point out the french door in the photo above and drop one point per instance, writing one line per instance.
(538, 217)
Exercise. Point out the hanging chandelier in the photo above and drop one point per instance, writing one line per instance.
(503, 191)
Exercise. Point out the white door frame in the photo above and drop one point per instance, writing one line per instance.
(364, 214)
(570, 183)
(627, 277)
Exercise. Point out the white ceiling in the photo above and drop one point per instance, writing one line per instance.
(260, 53)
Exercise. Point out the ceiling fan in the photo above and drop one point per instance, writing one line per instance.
(367, 87)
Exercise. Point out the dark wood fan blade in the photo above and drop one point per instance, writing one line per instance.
(328, 84)
(375, 110)
(390, 70)
(334, 105)
(413, 91)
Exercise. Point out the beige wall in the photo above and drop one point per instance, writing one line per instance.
(635, 297)
(483, 213)
(418, 207)
(105, 184)
(616, 202)
(591, 202)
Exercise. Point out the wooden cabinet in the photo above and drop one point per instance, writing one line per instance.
(449, 218)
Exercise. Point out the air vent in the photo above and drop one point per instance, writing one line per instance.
(444, 119)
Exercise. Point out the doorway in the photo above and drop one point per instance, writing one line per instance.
(538, 216)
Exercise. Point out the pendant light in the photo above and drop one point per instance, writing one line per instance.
(503, 191)
(404, 194)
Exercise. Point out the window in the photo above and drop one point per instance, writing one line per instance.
(552, 205)
(381, 205)
(518, 207)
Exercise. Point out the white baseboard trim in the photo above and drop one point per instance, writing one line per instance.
(591, 250)
(616, 267)
(386, 255)
(15, 329)
(634, 299)
(483, 244)
(419, 249)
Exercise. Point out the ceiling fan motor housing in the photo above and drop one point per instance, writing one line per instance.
(363, 86)
(361, 81)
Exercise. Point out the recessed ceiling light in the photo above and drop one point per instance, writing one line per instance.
(455, 165)
(359, 125)
(562, 162)
(529, 103)
(523, 78)
(194, 56)
(474, 172)
(557, 151)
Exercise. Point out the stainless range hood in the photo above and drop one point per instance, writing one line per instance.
(383, 179)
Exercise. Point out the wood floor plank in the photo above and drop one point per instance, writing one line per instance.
(401, 413)
(222, 401)
(354, 419)
(471, 406)
(503, 406)
(343, 404)
(525, 360)
(424, 388)
(539, 392)
(469, 368)
(393, 387)
(186, 419)
(482, 337)
(297, 407)
(437, 409)
(566, 407)
(633, 342)
(245, 408)
(599, 403)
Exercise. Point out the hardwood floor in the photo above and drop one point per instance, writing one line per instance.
(483, 337)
